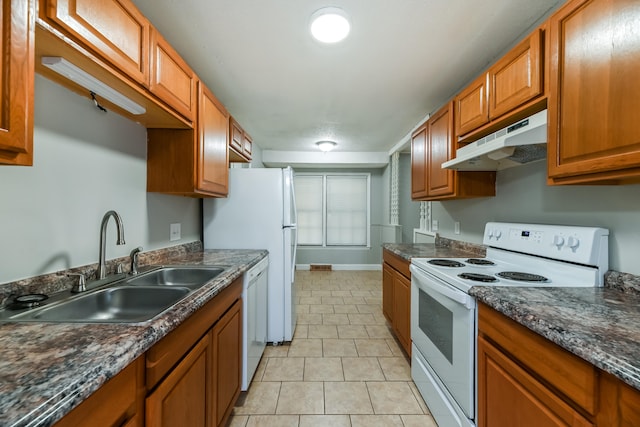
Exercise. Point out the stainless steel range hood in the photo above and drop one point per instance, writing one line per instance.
(520, 143)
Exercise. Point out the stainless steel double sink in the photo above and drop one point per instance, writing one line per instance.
(133, 299)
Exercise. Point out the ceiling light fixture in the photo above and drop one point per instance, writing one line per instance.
(93, 85)
(330, 25)
(326, 145)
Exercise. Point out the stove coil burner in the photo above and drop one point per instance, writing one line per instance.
(445, 263)
(521, 277)
(479, 261)
(476, 277)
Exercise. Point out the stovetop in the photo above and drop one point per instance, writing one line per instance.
(509, 269)
(529, 255)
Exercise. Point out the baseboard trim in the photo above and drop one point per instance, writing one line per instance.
(354, 267)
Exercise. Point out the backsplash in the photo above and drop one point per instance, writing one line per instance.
(59, 281)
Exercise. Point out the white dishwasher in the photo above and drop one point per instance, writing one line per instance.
(254, 325)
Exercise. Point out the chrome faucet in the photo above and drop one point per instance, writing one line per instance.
(134, 260)
(102, 270)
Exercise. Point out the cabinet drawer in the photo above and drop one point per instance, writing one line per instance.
(509, 396)
(567, 373)
(400, 264)
(115, 403)
(115, 29)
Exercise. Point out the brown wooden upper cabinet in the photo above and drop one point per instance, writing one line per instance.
(240, 143)
(432, 145)
(594, 102)
(514, 84)
(440, 148)
(419, 163)
(171, 78)
(115, 29)
(192, 162)
(17, 28)
(472, 108)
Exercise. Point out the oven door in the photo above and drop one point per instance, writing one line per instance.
(443, 329)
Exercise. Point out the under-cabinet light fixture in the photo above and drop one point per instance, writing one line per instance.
(92, 84)
(326, 145)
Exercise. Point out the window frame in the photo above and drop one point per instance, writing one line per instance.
(325, 196)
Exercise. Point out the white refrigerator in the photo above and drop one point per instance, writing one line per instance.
(260, 213)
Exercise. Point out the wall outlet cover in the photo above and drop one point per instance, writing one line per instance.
(434, 225)
(174, 232)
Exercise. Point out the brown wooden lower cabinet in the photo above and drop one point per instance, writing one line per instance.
(119, 402)
(396, 297)
(226, 340)
(191, 377)
(181, 399)
(525, 380)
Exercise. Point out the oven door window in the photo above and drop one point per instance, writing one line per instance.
(436, 322)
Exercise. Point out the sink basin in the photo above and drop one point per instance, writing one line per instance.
(190, 277)
(121, 304)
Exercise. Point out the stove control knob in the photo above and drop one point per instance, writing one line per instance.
(573, 243)
(490, 233)
(558, 241)
(498, 234)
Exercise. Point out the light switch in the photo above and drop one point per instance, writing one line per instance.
(456, 227)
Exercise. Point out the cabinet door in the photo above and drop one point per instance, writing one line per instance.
(402, 311)
(118, 402)
(236, 136)
(226, 338)
(113, 28)
(508, 396)
(387, 292)
(247, 145)
(17, 27)
(213, 153)
(471, 106)
(517, 77)
(181, 398)
(419, 163)
(171, 78)
(440, 182)
(594, 103)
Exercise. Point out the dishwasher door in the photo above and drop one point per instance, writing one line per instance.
(254, 320)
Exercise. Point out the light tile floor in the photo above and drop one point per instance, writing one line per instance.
(343, 367)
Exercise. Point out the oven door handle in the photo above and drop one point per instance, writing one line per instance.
(423, 281)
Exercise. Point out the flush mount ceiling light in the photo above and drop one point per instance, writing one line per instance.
(87, 81)
(330, 25)
(326, 145)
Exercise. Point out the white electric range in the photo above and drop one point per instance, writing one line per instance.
(444, 317)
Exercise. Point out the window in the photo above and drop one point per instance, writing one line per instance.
(333, 209)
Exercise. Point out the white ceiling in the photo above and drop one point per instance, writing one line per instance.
(402, 60)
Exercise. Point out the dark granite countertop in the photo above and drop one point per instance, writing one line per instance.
(47, 369)
(600, 325)
(440, 249)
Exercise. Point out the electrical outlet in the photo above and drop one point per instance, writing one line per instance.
(174, 232)
(456, 227)
(434, 225)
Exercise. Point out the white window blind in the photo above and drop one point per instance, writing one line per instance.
(309, 201)
(333, 209)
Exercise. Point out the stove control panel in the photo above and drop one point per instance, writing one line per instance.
(584, 245)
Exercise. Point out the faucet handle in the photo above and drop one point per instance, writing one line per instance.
(80, 286)
(134, 259)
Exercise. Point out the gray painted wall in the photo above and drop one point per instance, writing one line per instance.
(372, 255)
(86, 162)
(523, 196)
